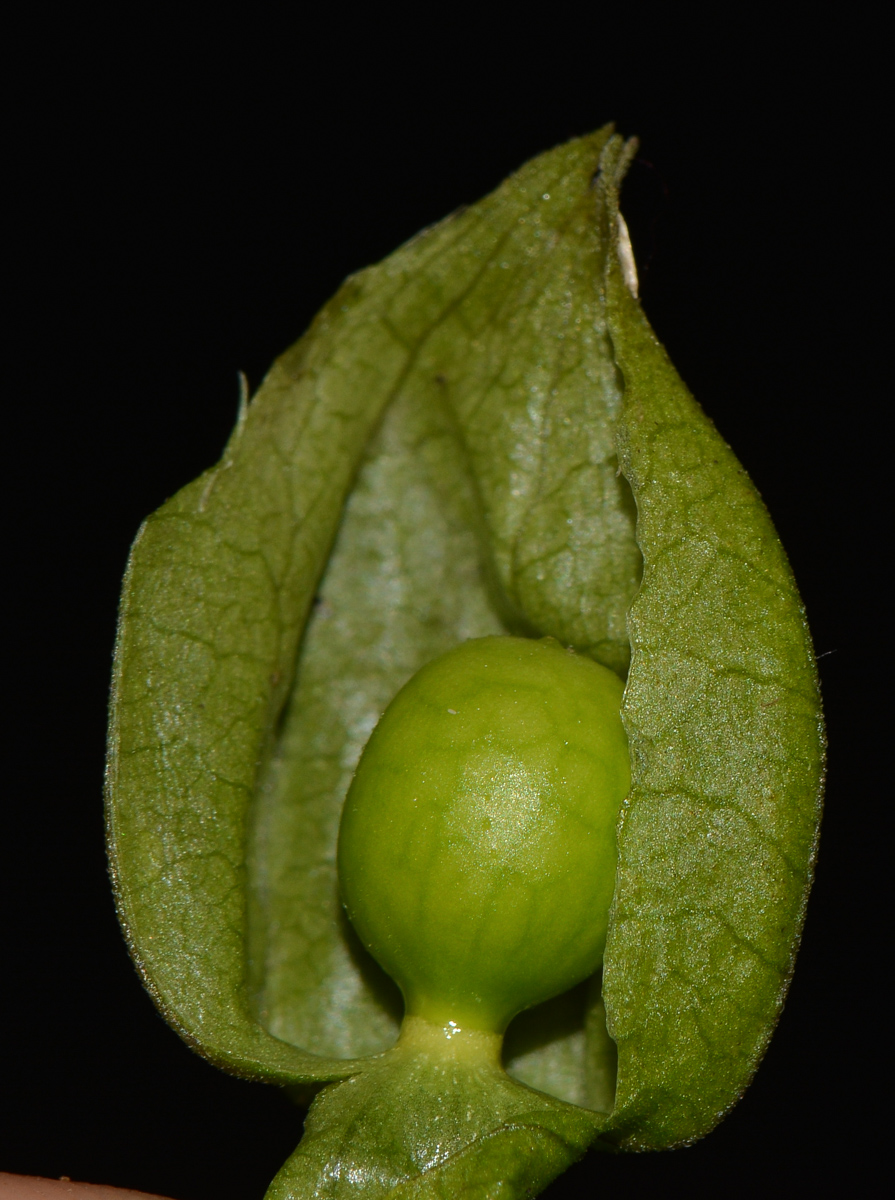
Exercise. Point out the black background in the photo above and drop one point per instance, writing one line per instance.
(186, 196)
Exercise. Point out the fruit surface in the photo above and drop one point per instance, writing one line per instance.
(477, 848)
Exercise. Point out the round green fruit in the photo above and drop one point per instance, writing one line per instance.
(477, 848)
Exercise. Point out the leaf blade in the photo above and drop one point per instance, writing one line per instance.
(220, 583)
(218, 587)
(723, 675)
(447, 373)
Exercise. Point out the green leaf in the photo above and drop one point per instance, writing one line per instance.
(418, 529)
(461, 445)
(718, 837)
(486, 337)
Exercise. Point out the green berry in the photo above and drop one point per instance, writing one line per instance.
(477, 848)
